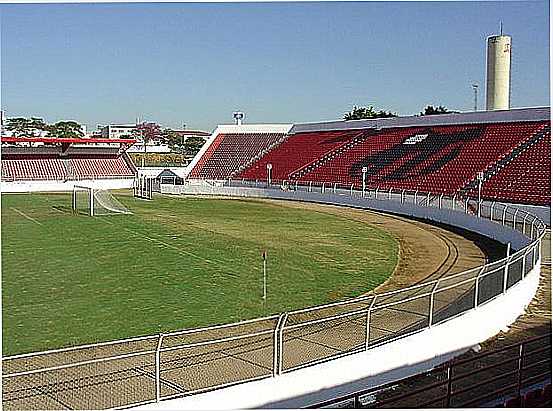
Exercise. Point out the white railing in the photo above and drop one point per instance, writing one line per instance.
(153, 368)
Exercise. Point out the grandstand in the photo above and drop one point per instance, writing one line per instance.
(58, 163)
(467, 263)
(436, 154)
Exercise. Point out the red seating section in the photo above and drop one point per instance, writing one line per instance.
(297, 151)
(229, 152)
(33, 167)
(93, 168)
(439, 159)
(526, 179)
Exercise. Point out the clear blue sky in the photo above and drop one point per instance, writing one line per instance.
(278, 62)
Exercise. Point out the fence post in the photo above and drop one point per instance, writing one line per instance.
(506, 272)
(515, 219)
(415, 199)
(279, 344)
(334, 191)
(476, 288)
(440, 201)
(368, 331)
(453, 201)
(351, 191)
(519, 374)
(504, 214)
(431, 308)
(402, 196)
(310, 186)
(390, 194)
(467, 205)
(533, 227)
(538, 251)
(449, 386)
(524, 263)
(524, 224)
(428, 200)
(276, 346)
(158, 368)
(491, 210)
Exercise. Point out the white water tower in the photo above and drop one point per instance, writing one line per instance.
(498, 81)
(238, 117)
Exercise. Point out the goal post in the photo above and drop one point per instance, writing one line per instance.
(82, 200)
(95, 202)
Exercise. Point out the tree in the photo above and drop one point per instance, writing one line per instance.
(358, 113)
(193, 144)
(24, 127)
(65, 129)
(172, 139)
(431, 110)
(147, 132)
(179, 143)
(37, 125)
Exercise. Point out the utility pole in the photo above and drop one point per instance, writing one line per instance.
(475, 88)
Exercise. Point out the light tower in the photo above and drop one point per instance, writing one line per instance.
(498, 79)
(238, 117)
(475, 89)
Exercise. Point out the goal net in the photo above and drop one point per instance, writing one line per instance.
(92, 201)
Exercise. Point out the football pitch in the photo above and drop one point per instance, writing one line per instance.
(175, 263)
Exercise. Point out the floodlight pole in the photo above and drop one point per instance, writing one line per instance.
(475, 88)
(364, 170)
(269, 168)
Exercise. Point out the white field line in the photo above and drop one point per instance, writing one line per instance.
(179, 250)
(25, 215)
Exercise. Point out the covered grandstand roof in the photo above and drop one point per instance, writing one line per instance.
(49, 140)
(476, 117)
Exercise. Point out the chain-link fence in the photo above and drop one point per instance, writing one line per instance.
(153, 368)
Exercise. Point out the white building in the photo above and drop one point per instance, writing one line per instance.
(117, 130)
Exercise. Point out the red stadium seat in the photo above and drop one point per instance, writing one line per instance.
(437, 159)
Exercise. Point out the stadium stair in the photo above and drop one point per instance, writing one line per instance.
(471, 188)
(342, 149)
(259, 155)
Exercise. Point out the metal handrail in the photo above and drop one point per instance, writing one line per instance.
(510, 219)
(448, 366)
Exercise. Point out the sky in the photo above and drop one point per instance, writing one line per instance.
(196, 63)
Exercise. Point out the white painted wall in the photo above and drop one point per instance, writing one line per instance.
(36, 186)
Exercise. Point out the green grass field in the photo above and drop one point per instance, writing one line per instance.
(175, 263)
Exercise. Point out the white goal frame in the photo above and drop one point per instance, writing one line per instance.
(98, 199)
(90, 192)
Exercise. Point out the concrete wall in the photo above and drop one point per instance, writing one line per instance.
(32, 186)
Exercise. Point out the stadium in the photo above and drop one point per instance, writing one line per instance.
(398, 262)
(373, 233)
